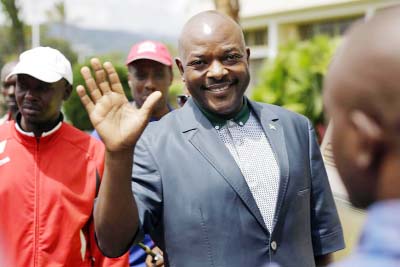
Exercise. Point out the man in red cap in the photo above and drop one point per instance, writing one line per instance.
(150, 69)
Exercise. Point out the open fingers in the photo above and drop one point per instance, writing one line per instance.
(113, 77)
(85, 99)
(91, 84)
(100, 76)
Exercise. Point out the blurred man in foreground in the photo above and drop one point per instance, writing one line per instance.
(362, 97)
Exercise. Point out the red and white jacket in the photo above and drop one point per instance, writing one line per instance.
(47, 192)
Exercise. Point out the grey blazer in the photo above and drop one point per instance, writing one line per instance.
(194, 201)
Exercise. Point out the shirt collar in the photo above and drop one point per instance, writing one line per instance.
(240, 118)
(18, 126)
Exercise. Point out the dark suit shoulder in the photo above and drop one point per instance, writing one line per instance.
(282, 114)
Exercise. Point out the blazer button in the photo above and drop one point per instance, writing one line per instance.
(274, 245)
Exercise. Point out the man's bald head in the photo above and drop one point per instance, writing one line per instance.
(365, 73)
(207, 23)
(7, 87)
(362, 96)
(7, 68)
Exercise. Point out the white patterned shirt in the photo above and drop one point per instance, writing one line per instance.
(252, 152)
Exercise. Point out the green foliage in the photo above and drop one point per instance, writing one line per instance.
(294, 78)
(116, 57)
(73, 108)
(8, 51)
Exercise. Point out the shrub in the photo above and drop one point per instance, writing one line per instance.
(294, 78)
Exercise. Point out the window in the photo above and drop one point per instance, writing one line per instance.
(256, 36)
(333, 27)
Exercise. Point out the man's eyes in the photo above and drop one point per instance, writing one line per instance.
(233, 56)
(196, 62)
(140, 76)
(229, 58)
(21, 86)
(157, 75)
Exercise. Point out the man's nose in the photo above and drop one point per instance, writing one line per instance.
(150, 84)
(216, 70)
(31, 94)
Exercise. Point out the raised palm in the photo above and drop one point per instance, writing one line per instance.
(118, 123)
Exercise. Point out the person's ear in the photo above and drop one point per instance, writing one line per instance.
(370, 137)
(179, 65)
(67, 92)
(248, 55)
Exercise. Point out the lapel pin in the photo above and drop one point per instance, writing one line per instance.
(271, 126)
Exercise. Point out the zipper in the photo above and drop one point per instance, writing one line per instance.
(36, 223)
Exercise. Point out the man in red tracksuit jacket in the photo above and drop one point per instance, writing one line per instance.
(49, 173)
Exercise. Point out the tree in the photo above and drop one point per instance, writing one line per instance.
(17, 35)
(228, 7)
(294, 78)
(58, 13)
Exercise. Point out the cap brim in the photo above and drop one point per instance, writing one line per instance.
(40, 73)
(159, 60)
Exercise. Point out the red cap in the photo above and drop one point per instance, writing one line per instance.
(149, 50)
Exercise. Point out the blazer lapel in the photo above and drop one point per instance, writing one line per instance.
(206, 140)
(276, 136)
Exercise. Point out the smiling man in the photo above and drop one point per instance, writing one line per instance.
(49, 172)
(231, 182)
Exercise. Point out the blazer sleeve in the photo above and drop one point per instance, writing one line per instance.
(147, 189)
(326, 232)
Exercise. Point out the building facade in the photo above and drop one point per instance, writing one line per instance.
(267, 24)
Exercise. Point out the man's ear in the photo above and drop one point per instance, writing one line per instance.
(248, 55)
(179, 65)
(67, 92)
(370, 137)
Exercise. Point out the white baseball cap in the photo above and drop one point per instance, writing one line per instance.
(44, 63)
